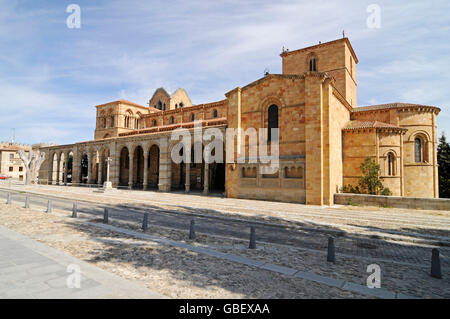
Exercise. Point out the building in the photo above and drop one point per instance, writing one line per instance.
(10, 162)
(324, 136)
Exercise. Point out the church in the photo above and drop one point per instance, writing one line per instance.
(323, 137)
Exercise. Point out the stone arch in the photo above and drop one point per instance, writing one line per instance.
(124, 166)
(153, 160)
(421, 143)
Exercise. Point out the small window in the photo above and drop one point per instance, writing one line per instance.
(181, 104)
(312, 64)
(172, 120)
(418, 151)
(20, 169)
(154, 122)
(11, 156)
(391, 164)
(11, 168)
(214, 113)
(192, 117)
(272, 122)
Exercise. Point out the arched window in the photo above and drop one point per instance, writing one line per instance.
(214, 113)
(172, 120)
(418, 150)
(312, 64)
(159, 105)
(176, 105)
(181, 104)
(192, 117)
(391, 164)
(104, 122)
(272, 122)
(154, 122)
(111, 121)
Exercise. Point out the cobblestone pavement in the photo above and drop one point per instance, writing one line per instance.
(31, 270)
(183, 272)
(295, 230)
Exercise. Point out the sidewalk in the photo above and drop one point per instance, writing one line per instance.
(29, 269)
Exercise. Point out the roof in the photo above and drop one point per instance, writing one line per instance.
(346, 40)
(356, 125)
(123, 102)
(387, 106)
(170, 127)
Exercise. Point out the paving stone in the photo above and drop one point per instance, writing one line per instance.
(376, 292)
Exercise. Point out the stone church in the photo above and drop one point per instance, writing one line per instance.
(324, 136)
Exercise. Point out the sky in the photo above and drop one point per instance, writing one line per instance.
(52, 76)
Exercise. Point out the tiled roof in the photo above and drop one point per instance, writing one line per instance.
(124, 102)
(391, 106)
(355, 125)
(170, 127)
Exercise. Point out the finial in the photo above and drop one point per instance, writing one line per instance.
(343, 33)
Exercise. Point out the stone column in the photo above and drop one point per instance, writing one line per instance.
(76, 163)
(144, 184)
(206, 178)
(90, 166)
(164, 166)
(114, 165)
(58, 169)
(188, 178)
(50, 169)
(66, 167)
(100, 170)
(130, 172)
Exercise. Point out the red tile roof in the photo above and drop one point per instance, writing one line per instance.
(395, 105)
(355, 125)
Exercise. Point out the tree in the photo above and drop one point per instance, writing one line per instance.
(443, 158)
(370, 182)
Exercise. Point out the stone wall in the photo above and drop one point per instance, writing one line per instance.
(393, 201)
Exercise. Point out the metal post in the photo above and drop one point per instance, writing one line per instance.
(27, 202)
(8, 199)
(330, 255)
(435, 264)
(192, 230)
(74, 210)
(145, 222)
(252, 244)
(106, 216)
(49, 206)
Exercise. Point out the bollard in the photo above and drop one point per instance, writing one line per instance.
(8, 199)
(27, 202)
(145, 222)
(49, 206)
(192, 230)
(252, 244)
(106, 216)
(74, 210)
(330, 255)
(435, 264)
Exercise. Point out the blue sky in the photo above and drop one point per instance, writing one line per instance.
(51, 77)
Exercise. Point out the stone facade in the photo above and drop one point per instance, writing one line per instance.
(10, 162)
(323, 137)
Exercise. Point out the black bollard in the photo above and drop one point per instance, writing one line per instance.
(435, 264)
(49, 206)
(8, 199)
(330, 255)
(145, 222)
(27, 202)
(192, 230)
(74, 210)
(252, 244)
(106, 216)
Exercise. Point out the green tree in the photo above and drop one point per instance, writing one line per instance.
(443, 157)
(370, 182)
